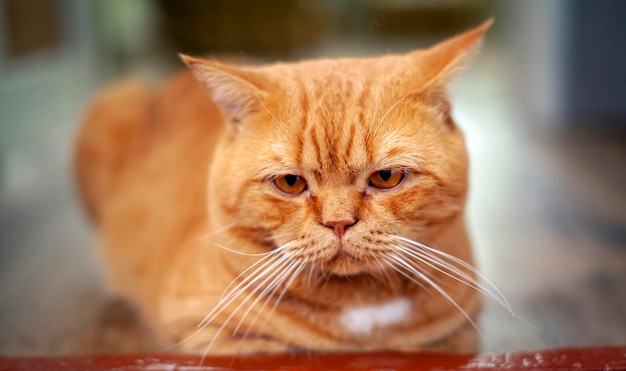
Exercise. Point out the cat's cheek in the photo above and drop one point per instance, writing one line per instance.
(271, 211)
(403, 205)
(282, 217)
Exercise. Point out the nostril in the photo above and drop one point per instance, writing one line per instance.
(340, 226)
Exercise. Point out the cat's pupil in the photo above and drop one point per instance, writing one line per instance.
(384, 175)
(291, 180)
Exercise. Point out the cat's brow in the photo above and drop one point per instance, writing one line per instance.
(401, 161)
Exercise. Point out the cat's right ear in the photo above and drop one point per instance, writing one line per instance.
(237, 91)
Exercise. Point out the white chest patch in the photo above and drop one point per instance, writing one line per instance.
(363, 319)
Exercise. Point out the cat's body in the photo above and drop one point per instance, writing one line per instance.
(323, 172)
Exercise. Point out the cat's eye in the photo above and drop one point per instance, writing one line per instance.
(386, 179)
(290, 184)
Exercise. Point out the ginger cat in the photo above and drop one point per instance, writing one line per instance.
(311, 206)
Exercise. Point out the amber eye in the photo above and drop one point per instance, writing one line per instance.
(385, 179)
(290, 184)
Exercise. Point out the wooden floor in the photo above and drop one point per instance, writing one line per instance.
(547, 212)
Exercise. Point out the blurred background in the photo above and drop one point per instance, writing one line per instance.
(543, 109)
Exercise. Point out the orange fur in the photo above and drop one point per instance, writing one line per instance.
(172, 176)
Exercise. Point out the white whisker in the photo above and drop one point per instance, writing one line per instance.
(228, 299)
(394, 263)
(267, 291)
(270, 255)
(227, 291)
(434, 285)
(460, 276)
(243, 253)
(245, 300)
(268, 110)
(382, 269)
(384, 116)
(229, 295)
(295, 274)
(292, 276)
(205, 236)
(502, 299)
(310, 277)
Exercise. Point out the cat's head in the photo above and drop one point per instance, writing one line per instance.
(332, 161)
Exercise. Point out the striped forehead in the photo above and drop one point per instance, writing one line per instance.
(335, 117)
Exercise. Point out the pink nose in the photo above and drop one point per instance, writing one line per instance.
(340, 226)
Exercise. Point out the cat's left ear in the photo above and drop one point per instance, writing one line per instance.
(236, 90)
(437, 66)
(446, 60)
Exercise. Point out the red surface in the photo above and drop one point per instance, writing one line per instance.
(609, 358)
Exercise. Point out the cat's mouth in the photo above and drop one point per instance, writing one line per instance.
(344, 254)
(345, 263)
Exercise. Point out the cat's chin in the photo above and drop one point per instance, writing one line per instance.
(345, 264)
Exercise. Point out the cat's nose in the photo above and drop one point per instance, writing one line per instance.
(340, 226)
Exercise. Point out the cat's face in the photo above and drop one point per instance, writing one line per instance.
(335, 161)
(340, 164)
